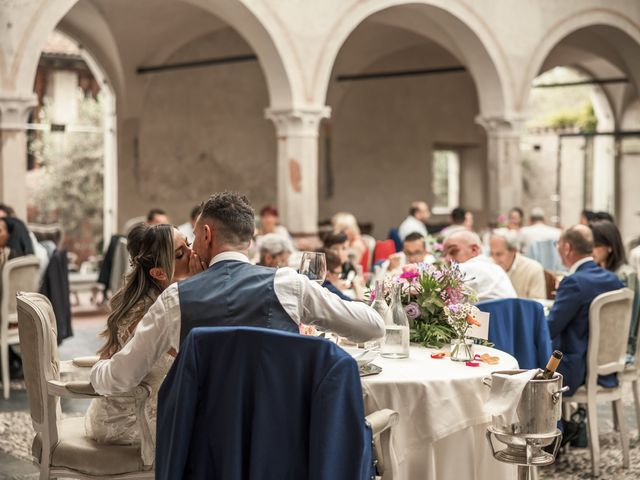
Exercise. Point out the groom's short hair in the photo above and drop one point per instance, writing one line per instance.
(232, 216)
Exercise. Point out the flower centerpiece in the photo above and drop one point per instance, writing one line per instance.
(436, 299)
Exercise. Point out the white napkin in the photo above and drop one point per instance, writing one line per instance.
(506, 391)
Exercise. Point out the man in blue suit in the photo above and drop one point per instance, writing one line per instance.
(569, 317)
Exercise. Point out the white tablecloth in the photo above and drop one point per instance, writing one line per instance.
(441, 432)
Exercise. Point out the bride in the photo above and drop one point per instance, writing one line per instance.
(159, 255)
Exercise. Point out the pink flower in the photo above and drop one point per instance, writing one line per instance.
(410, 272)
(438, 247)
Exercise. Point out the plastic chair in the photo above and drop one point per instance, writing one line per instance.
(22, 273)
(518, 326)
(609, 318)
(61, 448)
(284, 404)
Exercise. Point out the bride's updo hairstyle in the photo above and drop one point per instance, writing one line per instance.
(150, 247)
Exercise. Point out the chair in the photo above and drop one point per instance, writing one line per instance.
(550, 281)
(367, 256)
(61, 447)
(518, 326)
(265, 401)
(22, 273)
(632, 370)
(384, 249)
(609, 317)
(545, 252)
(395, 236)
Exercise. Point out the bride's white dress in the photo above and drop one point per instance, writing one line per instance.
(113, 420)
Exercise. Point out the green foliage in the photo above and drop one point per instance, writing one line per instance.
(70, 190)
(583, 118)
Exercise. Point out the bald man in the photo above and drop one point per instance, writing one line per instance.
(488, 279)
(569, 317)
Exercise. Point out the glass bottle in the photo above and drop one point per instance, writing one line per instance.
(396, 337)
(379, 304)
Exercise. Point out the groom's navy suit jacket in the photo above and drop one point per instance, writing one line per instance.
(569, 321)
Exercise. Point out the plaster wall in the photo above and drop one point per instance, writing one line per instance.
(383, 132)
(201, 130)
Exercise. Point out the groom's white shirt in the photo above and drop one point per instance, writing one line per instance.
(159, 330)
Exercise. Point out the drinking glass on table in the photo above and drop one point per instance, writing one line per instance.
(314, 266)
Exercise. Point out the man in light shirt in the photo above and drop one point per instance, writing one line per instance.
(231, 292)
(538, 231)
(414, 250)
(416, 221)
(526, 275)
(485, 277)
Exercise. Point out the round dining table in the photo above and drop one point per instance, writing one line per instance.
(442, 422)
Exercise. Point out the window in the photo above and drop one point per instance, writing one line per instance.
(446, 181)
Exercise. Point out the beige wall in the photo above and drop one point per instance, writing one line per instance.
(383, 132)
(201, 130)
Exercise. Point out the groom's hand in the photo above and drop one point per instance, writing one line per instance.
(195, 264)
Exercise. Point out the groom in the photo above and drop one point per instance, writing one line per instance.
(231, 292)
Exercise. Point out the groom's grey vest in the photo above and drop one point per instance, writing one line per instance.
(232, 293)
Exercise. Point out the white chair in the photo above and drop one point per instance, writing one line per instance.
(609, 318)
(18, 274)
(61, 448)
(632, 374)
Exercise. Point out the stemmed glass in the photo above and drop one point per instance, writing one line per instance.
(314, 266)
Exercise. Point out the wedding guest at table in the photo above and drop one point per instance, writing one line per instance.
(526, 275)
(338, 243)
(603, 216)
(608, 252)
(156, 216)
(274, 251)
(414, 250)
(270, 222)
(187, 227)
(515, 219)
(537, 231)
(159, 255)
(344, 222)
(419, 213)
(334, 274)
(569, 317)
(485, 277)
(587, 216)
(231, 292)
(458, 217)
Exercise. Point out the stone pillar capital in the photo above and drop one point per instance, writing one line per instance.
(297, 122)
(14, 110)
(502, 125)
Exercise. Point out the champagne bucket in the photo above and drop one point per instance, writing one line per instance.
(539, 409)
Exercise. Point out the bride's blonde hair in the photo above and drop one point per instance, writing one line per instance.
(150, 246)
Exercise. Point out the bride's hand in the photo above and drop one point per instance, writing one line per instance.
(195, 264)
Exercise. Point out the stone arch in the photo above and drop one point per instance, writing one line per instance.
(621, 31)
(454, 25)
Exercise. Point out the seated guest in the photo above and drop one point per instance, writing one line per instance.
(187, 227)
(526, 275)
(274, 251)
(487, 279)
(334, 272)
(159, 254)
(344, 222)
(587, 216)
(231, 292)
(537, 231)
(338, 243)
(157, 216)
(414, 250)
(515, 219)
(603, 216)
(416, 221)
(270, 223)
(608, 252)
(458, 223)
(569, 317)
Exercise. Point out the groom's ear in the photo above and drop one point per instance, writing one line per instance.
(208, 234)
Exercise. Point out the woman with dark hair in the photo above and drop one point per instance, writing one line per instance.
(159, 255)
(608, 252)
(14, 239)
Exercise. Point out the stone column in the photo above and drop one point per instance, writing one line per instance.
(297, 131)
(504, 169)
(14, 111)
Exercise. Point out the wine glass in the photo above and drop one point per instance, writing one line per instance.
(314, 266)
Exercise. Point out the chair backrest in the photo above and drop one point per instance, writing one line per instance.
(18, 274)
(518, 326)
(38, 345)
(395, 236)
(550, 281)
(283, 403)
(546, 253)
(384, 249)
(609, 318)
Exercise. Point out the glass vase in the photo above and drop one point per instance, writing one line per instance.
(461, 349)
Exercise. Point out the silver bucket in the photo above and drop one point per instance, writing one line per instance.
(539, 409)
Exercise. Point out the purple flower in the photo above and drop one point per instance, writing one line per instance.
(412, 310)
